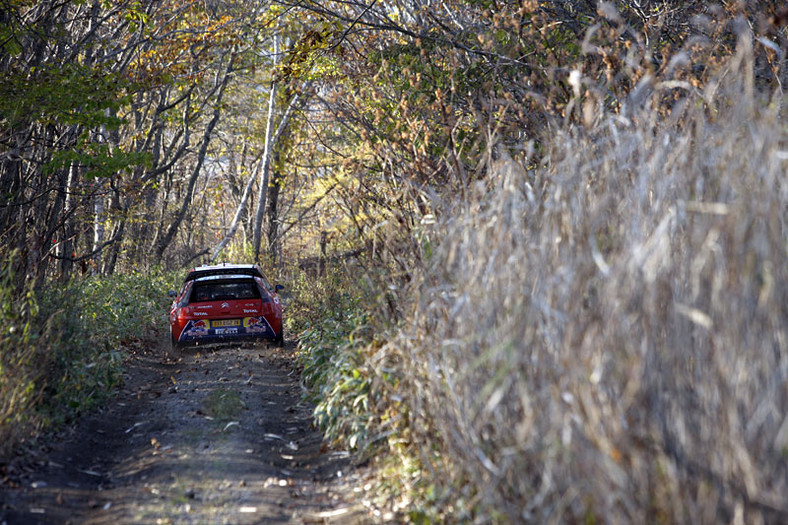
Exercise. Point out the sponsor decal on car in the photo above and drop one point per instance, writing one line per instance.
(195, 330)
(258, 325)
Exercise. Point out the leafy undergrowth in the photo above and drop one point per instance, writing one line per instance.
(61, 349)
(339, 351)
(347, 369)
(332, 328)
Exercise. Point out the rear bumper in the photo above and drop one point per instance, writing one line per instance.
(249, 328)
(223, 340)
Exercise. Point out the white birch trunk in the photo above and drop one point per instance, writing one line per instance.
(99, 230)
(266, 162)
(248, 189)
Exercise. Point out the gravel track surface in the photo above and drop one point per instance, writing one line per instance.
(213, 435)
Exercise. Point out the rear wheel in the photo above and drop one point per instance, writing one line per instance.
(280, 339)
(174, 345)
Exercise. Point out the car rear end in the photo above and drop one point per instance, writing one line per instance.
(226, 307)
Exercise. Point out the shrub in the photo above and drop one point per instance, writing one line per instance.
(342, 359)
(62, 348)
(18, 359)
(327, 316)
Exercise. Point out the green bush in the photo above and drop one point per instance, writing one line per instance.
(335, 342)
(62, 348)
(332, 356)
(19, 358)
(312, 300)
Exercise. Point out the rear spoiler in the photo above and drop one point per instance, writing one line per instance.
(230, 270)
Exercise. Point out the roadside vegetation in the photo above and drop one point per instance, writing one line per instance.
(333, 340)
(534, 252)
(62, 349)
(602, 337)
(596, 331)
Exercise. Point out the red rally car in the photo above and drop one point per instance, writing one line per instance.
(224, 303)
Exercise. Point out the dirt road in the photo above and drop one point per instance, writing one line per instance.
(215, 436)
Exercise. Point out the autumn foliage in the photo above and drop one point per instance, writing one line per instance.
(536, 249)
(581, 271)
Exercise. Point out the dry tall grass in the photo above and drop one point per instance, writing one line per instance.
(608, 338)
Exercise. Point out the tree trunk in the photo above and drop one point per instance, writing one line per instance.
(65, 247)
(274, 246)
(98, 230)
(238, 214)
(269, 145)
(263, 190)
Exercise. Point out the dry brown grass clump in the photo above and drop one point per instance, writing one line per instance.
(608, 338)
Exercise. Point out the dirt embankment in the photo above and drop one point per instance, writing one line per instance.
(216, 436)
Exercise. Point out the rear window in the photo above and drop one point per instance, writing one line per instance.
(224, 291)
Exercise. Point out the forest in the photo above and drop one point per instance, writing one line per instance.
(536, 252)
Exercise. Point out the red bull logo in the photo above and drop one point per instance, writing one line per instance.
(196, 328)
(257, 325)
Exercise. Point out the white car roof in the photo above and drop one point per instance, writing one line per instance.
(223, 270)
(223, 276)
(208, 267)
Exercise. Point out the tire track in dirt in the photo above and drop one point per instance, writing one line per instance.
(219, 435)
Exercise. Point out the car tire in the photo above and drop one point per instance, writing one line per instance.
(174, 345)
(280, 339)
